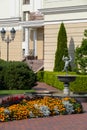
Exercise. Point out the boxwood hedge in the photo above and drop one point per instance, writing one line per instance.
(79, 85)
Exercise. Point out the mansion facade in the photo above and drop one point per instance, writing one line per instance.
(37, 26)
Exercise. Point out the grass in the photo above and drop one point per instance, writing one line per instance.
(10, 92)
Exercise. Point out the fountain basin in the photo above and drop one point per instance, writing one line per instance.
(66, 78)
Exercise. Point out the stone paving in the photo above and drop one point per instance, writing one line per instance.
(61, 122)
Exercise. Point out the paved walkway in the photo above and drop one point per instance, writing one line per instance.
(62, 122)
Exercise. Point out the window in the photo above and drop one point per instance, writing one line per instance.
(26, 1)
(26, 15)
(23, 52)
(23, 34)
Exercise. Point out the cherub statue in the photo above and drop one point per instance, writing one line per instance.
(67, 62)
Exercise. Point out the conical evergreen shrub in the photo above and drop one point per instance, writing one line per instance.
(61, 48)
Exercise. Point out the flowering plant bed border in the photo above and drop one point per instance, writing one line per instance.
(23, 107)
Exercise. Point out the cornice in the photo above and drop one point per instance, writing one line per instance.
(36, 23)
(68, 9)
(10, 21)
(17, 22)
(65, 21)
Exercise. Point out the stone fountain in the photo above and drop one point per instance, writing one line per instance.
(66, 79)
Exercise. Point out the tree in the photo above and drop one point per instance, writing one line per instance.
(62, 49)
(81, 55)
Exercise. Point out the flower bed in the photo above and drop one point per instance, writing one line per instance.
(17, 108)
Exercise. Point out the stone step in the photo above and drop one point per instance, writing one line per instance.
(35, 65)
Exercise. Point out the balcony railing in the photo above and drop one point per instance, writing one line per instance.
(36, 16)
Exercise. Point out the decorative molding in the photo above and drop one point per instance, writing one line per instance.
(36, 23)
(65, 21)
(6, 20)
(68, 9)
(49, 1)
(10, 22)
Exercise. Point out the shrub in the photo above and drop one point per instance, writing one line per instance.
(17, 75)
(81, 55)
(79, 85)
(50, 78)
(61, 49)
(2, 73)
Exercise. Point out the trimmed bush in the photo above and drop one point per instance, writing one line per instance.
(17, 75)
(79, 85)
(50, 78)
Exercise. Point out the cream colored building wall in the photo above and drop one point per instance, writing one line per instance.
(63, 3)
(40, 42)
(74, 33)
(15, 48)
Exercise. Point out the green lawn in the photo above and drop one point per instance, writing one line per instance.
(9, 92)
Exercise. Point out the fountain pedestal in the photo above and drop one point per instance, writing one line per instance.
(66, 89)
(66, 79)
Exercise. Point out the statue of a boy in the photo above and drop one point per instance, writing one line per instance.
(67, 62)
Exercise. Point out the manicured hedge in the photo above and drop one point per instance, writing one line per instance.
(16, 75)
(79, 85)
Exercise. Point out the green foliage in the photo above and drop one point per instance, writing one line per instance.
(61, 49)
(79, 85)
(2, 69)
(11, 92)
(40, 76)
(51, 78)
(17, 75)
(81, 55)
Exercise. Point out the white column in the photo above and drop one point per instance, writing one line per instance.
(35, 42)
(27, 37)
(27, 16)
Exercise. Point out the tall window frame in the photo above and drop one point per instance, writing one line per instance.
(26, 1)
(26, 15)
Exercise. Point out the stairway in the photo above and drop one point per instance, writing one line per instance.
(35, 64)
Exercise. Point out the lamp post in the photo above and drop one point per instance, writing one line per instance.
(8, 39)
